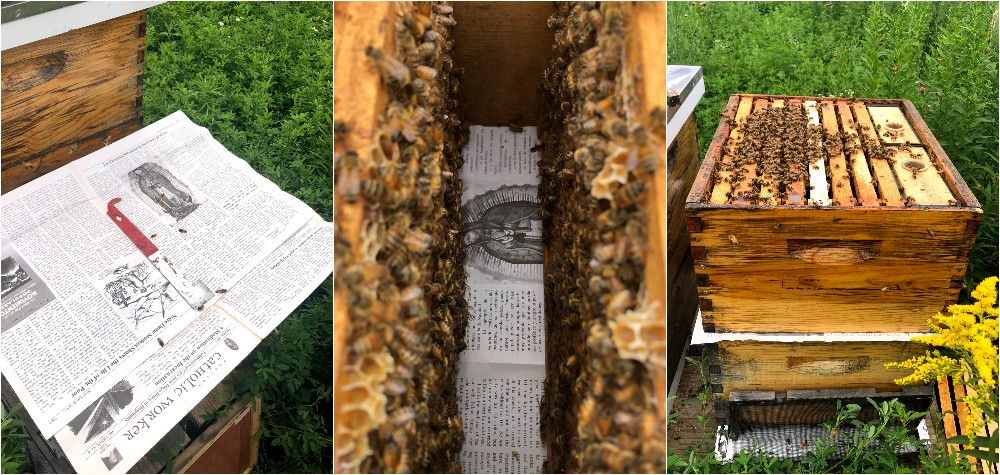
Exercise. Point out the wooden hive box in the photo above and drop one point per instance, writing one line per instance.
(874, 238)
(685, 88)
(71, 94)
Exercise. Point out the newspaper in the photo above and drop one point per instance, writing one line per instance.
(118, 429)
(95, 341)
(502, 370)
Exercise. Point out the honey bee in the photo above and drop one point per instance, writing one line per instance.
(159, 340)
(393, 71)
(629, 193)
(182, 230)
(516, 455)
(220, 290)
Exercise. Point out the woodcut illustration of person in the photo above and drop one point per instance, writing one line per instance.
(164, 191)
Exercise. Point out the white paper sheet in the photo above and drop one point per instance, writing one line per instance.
(84, 312)
(502, 370)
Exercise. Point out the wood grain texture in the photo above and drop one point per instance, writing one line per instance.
(646, 57)
(885, 180)
(504, 48)
(889, 119)
(917, 177)
(776, 366)
(721, 191)
(69, 95)
(864, 184)
(227, 446)
(682, 299)
(839, 176)
(359, 99)
(793, 269)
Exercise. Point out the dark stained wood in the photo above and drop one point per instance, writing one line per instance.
(69, 95)
(504, 47)
(682, 298)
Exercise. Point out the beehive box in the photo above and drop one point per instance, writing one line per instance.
(71, 94)
(687, 85)
(499, 53)
(815, 214)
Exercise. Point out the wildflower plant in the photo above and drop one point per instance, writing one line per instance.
(967, 342)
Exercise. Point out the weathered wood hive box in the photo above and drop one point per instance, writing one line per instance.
(685, 87)
(822, 215)
(591, 78)
(71, 94)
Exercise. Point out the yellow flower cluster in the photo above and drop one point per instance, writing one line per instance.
(927, 368)
(971, 333)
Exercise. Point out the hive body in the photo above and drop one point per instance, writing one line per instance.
(840, 225)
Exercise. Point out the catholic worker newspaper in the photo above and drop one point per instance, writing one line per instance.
(100, 348)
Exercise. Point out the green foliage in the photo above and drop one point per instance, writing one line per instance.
(259, 76)
(851, 446)
(12, 440)
(942, 56)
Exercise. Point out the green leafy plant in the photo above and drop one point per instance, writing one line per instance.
(12, 440)
(259, 76)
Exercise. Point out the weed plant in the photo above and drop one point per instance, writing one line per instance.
(942, 56)
(13, 438)
(259, 76)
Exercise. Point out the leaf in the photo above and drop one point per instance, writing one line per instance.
(982, 455)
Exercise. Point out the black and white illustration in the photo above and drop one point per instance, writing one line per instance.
(14, 275)
(232, 344)
(103, 413)
(139, 292)
(162, 191)
(503, 233)
(24, 292)
(111, 458)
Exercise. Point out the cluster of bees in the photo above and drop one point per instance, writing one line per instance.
(404, 278)
(783, 145)
(598, 412)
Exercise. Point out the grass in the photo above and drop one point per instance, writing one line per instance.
(942, 56)
(259, 76)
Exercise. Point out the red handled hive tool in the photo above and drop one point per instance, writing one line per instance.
(196, 293)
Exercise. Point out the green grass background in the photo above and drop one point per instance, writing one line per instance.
(942, 56)
(259, 76)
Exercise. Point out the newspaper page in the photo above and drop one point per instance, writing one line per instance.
(82, 308)
(118, 429)
(502, 369)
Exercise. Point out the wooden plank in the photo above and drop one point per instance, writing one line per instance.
(884, 178)
(359, 99)
(647, 45)
(795, 192)
(891, 124)
(682, 300)
(68, 95)
(919, 177)
(768, 193)
(782, 366)
(503, 48)
(225, 447)
(863, 182)
(947, 410)
(720, 192)
(750, 169)
(819, 190)
(840, 178)
(962, 413)
(951, 175)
